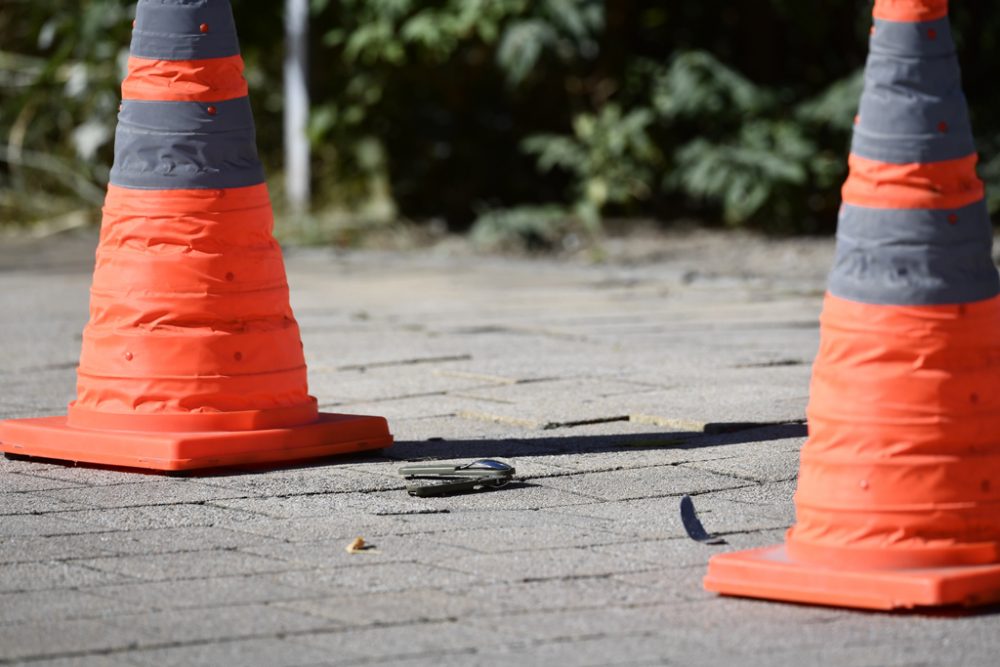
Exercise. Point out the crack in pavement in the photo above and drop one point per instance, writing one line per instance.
(413, 361)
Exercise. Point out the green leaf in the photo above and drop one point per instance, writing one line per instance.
(836, 106)
(698, 84)
(521, 45)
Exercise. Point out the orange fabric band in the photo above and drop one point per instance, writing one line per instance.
(211, 80)
(188, 422)
(910, 10)
(902, 457)
(189, 313)
(934, 185)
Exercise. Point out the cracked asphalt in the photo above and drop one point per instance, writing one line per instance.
(680, 366)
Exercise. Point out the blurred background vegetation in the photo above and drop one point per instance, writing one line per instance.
(525, 122)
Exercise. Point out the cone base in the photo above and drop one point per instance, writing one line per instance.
(53, 438)
(770, 574)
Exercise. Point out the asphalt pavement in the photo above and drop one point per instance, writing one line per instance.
(678, 366)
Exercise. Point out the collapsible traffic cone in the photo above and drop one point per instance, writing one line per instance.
(192, 356)
(898, 501)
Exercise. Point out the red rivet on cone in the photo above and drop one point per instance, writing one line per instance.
(211, 381)
(904, 412)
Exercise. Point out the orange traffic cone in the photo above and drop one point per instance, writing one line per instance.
(898, 501)
(192, 356)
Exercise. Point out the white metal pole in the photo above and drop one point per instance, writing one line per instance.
(297, 104)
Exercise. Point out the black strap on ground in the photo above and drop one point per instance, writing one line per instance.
(693, 526)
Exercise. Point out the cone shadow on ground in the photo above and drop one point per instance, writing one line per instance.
(719, 434)
(956, 612)
(575, 445)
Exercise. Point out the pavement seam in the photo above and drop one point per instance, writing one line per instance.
(621, 468)
(383, 399)
(131, 579)
(210, 501)
(693, 465)
(110, 553)
(413, 361)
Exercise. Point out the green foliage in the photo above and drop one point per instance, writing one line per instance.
(710, 134)
(697, 83)
(835, 107)
(531, 119)
(755, 149)
(530, 228)
(611, 155)
(749, 172)
(566, 28)
(989, 171)
(57, 111)
(402, 65)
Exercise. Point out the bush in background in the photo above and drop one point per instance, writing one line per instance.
(530, 121)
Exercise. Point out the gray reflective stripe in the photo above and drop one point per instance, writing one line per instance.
(229, 116)
(180, 145)
(930, 38)
(903, 106)
(171, 30)
(914, 257)
(901, 131)
(931, 77)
